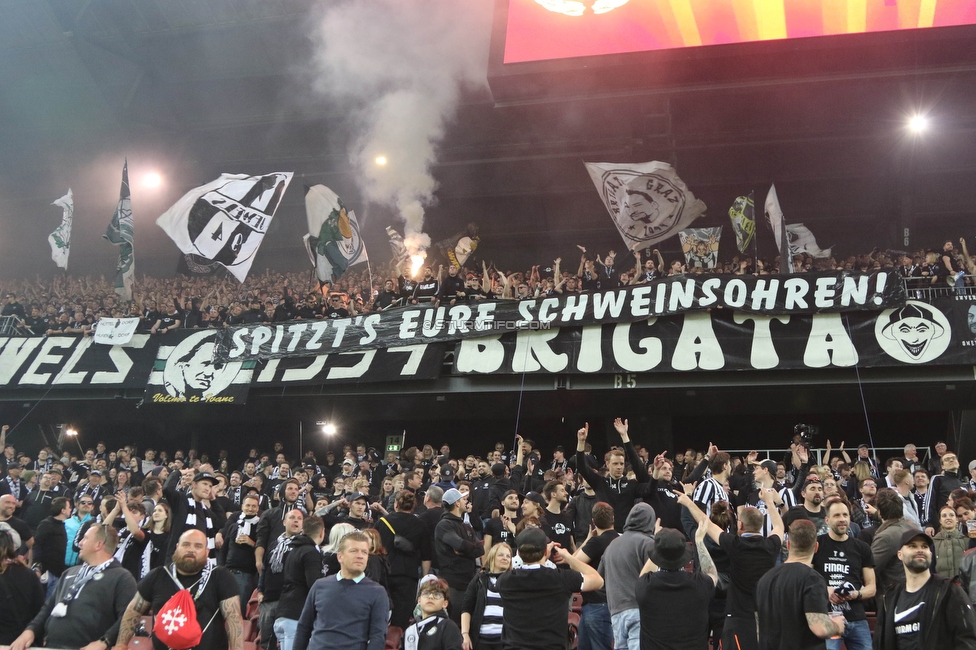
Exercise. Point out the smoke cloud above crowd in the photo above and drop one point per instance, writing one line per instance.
(400, 67)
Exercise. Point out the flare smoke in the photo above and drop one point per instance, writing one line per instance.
(403, 65)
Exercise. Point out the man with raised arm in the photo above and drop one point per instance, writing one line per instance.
(616, 489)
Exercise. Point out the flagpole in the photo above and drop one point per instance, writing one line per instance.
(755, 228)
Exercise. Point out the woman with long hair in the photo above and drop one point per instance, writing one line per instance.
(329, 558)
(378, 566)
(21, 593)
(481, 609)
(950, 544)
(157, 531)
(387, 494)
(121, 482)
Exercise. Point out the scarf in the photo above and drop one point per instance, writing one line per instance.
(198, 516)
(246, 524)
(200, 584)
(235, 494)
(288, 507)
(280, 550)
(125, 539)
(14, 484)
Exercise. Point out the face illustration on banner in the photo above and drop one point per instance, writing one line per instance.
(191, 370)
(646, 213)
(971, 319)
(915, 333)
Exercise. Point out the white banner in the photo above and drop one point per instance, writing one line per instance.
(647, 201)
(333, 242)
(803, 241)
(225, 220)
(115, 331)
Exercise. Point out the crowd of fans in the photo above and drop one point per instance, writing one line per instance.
(66, 305)
(510, 548)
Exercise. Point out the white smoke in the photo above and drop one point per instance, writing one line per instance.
(403, 63)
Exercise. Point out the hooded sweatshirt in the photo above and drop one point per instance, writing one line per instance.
(625, 557)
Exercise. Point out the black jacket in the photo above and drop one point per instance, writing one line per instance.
(456, 548)
(446, 637)
(415, 530)
(303, 567)
(50, 544)
(620, 493)
(949, 620)
(475, 600)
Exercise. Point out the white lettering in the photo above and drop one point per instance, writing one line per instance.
(632, 361)
(829, 343)
(482, 355)
(697, 346)
(763, 355)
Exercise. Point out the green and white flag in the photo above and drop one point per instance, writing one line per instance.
(60, 239)
(120, 233)
(333, 242)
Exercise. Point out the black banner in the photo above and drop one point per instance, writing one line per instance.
(808, 293)
(943, 333)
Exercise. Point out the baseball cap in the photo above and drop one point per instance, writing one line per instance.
(537, 498)
(913, 534)
(205, 476)
(670, 550)
(94, 472)
(769, 465)
(451, 496)
(559, 448)
(498, 469)
(532, 537)
(447, 473)
(348, 461)
(972, 465)
(355, 496)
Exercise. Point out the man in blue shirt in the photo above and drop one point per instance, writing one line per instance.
(347, 611)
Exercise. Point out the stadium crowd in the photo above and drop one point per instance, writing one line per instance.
(68, 305)
(509, 548)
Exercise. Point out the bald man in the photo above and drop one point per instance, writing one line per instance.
(213, 588)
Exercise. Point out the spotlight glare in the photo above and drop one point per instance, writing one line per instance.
(329, 429)
(918, 123)
(70, 432)
(381, 160)
(152, 180)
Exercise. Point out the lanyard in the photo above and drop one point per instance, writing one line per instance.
(83, 577)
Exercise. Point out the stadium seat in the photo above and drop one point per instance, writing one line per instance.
(147, 622)
(394, 636)
(577, 603)
(252, 606)
(140, 643)
(251, 645)
(250, 630)
(574, 621)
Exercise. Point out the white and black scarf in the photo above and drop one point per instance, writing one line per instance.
(235, 495)
(288, 507)
(245, 524)
(279, 551)
(199, 516)
(125, 539)
(14, 484)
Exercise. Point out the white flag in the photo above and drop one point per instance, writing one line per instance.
(333, 241)
(777, 222)
(803, 241)
(647, 201)
(700, 246)
(115, 331)
(225, 220)
(60, 239)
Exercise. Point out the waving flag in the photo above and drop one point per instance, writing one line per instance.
(120, 233)
(700, 246)
(777, 223)
(225, 220)
(647, 201)
(803, 241)
(60, 239)
(333, 242)
(743, 216)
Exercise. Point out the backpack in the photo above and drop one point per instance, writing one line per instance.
(176, 624)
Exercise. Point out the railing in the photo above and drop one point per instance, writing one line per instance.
(12, 326)
(924, 289)
(881, 454)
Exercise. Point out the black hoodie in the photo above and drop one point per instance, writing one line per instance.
(303, 567)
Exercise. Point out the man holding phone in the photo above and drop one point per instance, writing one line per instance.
(847, 564)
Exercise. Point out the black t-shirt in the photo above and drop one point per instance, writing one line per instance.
(499, 533)
(560, 528)
(909, 610)
(840, 562)
(332, 312)
(158, 587)
(536, 606)
(594, 550)
(750, 557)
(23, 530)
(784, 596)
(674, 609)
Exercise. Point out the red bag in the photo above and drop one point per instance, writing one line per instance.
(176, 623)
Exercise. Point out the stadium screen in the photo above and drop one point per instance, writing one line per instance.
(540, 30)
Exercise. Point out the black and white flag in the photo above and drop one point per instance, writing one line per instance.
(777, 223)
(647, 201)
(803, 241)
(700, 246)
(225, 220)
